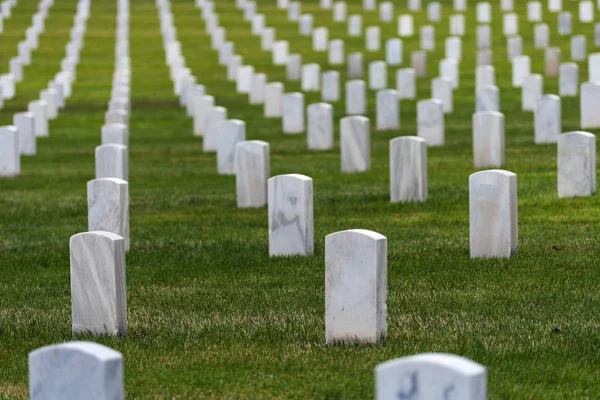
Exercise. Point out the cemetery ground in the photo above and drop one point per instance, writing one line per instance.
(209, 313)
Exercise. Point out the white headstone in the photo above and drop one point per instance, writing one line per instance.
(10, 155)
(590, 104)
(355, 144)
(576, 164)
(273, 100)
(355, 65)
(98, 298)
(257, 89)
(552, 61)
(111, 161)
(311, 75)
(408, 169)
(484, 13)
(355, 25)
(578, 48)
(511, 24)
(115, 133)
(306, 24)
(393, 51)
(336, 52)
(293, 113)
(244, 78)
(202, 105)
(521, 67)
(356, 97)
(290, 199)
(506, 5)
(230, 133)
(25, 124)
(541, 35)
(485, 75)
(594, 67)
(294, 67)
(532, 91)
(488, 99)
(38, 108)
(388, 110)
(454, 48)
(488, 139)
(431, 376)
(76, 370)
(565, 27)
(320, 39)
(547, 119)
(330, 86)
(406, 25)
(449, 69)
(355, 287)
(377, 75)
(406, 84)
(430, 121)
(514, 47)
(457, 25)
(441, 89)
(555, 5)
(586, 11)
(280, 52)
(484, 37)
(7, 83)
(568, 80)
(386, 11)
(339, 11)
(493, 214)
(534, 11)
(434, 12)
(214, 116)
(428, 38)
(252, 170)
(108, 207)
(320, 126)
(267, 39)
(418, 61)
(373, 40)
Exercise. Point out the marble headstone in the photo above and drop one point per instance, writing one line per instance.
(393, 51)
(377, 75)
(330, 86)
(552, 61)
(493, 214)
(355, 144)
(430, 121)
(356, 97)
(39, 109)
(568, 80)
(576, 164)
(488, 139)
(108, 207)
(590, 104)
(406, 84)
(293, 113)
(252, 170)
(202, 106)
(273, 100)
(214, 116)
(355, 66)
(111, 161)
(320, 126)
(547, 119)
(521, 67)
(441, 89)
(355, 287)
(25, 124)
(372, 38)
(541, 36)
(230, 133)
(76, 370)
(406, 25)
(408, 169)
(388, 110)
(336, 52)
(311, 77)
(488, 99)
(10, 155)
(290, 199)
(531, 91)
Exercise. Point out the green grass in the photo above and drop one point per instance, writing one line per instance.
(209, 313)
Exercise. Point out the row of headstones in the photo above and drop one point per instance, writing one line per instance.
(20, 138)
(16, 64)
(77, 370)
(6, 12)
(108, 194)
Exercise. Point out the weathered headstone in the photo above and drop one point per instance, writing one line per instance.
(532, 91)
(111, 161)
(388, 110)
(290, 199)
(488, 139)
(568, 80)
(252, 170)
(418, 62)
(406, 84)
(493, 214)
(108, 207)
(10, 155)
(231, 132)
(547, 119)
(293, 113)
(430, 121)
(355, 144)
(25, 124)
(552, 61)
(320, 126)
(98, 297)
(76, 370)
(355, 287)
(408, 169)
(356, 97)
(576, 164)
(431, 376)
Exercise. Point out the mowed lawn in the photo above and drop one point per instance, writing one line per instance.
(210, 315)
